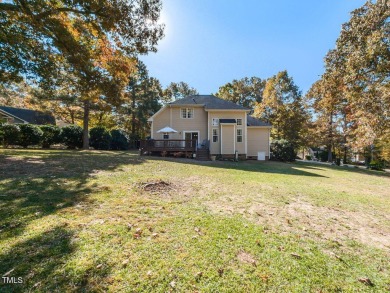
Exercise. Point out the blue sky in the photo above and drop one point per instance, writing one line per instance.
(211, 42)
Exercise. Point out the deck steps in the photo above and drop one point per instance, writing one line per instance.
(203, 155)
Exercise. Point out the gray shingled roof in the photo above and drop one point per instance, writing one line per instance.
(251, 121)
(30, 116)
(209, 101)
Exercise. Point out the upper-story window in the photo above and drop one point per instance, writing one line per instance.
(215, 121)
(215, 135)
(239, 135)
(187, 113)
(239, 121)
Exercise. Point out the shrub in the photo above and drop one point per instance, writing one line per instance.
(283, 150)
(99, 138)
(118, 140)
(72, 136)
(51, 135)
(30, 134)
(308, 157)
(376, 165)
(9, 134)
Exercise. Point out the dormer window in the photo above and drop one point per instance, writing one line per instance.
(187, 113)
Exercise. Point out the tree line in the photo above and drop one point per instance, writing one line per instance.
(81, 60)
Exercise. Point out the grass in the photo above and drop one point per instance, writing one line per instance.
(89, 221)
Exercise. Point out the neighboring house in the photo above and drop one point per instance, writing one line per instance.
(224, 127)
(13, 115)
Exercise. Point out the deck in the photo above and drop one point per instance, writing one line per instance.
(168, 145)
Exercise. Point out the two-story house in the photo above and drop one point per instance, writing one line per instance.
(225, 127)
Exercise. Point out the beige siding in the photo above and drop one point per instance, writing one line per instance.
(258, 141)
(227, 139)
(215, 147)
(171, 117)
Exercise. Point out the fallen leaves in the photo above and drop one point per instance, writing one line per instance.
(220, 272)
(198, 275)
(295, 255)
(138, 233)
(366, 281)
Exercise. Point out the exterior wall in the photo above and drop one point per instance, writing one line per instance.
(171, 117)
(215, 147)
(258, 141)
(227, 139)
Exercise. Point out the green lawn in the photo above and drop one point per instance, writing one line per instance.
(94, 221)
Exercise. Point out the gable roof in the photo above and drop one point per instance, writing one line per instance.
(251, 121)
(210, 102)
(29, 116)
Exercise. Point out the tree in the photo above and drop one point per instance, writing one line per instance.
(282, 106)
(91, 41)
(245, 92)
(325, 97)
(364, 50)
(143, 95)
(177, 90)
(354, 90)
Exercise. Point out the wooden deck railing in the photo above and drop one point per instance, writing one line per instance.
(168, 145)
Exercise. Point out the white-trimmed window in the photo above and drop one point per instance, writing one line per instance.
(239, 121)
(215, 122)
(239, 135)
(166, 136)
(215, 135)
(187, 113)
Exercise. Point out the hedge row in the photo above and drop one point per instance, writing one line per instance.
(71, 136)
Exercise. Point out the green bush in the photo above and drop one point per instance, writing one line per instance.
(283, 150)
(99, 138)
(308, 157)
(376, 165)
(51, 135)
(9, 134)
(72, 136)
(118, 140)
(30, 134)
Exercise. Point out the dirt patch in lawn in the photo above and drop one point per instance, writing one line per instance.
(307, 220)
(245, 257)
(159, 186)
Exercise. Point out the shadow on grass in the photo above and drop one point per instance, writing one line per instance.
(34, 184)
(343, 168)
(250, 166)
(40, 261)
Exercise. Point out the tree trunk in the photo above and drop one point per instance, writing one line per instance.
(330, 138)
(345, 154)
(85, 125)
(133, 114)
